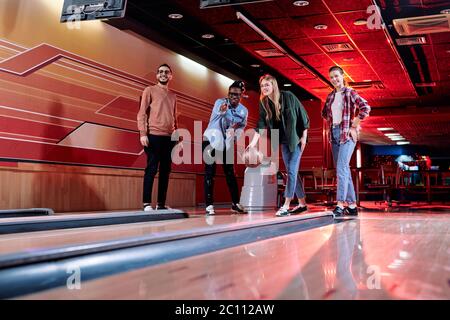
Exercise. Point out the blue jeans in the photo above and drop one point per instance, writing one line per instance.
(342, 153)
(292, 163)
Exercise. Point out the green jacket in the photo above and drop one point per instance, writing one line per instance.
(293, 116)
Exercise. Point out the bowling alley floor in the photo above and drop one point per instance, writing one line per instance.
(401, 254)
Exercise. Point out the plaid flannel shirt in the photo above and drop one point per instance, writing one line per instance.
(352, 100)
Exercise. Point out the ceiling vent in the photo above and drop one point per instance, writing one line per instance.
(411, 41)
(338, 47)
(367, 85)
(269, 53)
(422, 25)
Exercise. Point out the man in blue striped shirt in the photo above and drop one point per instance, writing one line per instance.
(227, 123)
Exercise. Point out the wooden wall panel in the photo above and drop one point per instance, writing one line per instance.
(72, 188)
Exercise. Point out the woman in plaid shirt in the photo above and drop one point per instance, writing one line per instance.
(344, 124)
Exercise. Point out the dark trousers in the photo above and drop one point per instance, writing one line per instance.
(210, 172)
(158, 154)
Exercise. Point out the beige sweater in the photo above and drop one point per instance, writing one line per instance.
(158, 112)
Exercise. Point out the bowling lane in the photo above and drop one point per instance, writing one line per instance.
(34, 241)
(377, 256)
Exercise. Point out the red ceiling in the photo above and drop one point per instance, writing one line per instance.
(294, 28)
(373, 58)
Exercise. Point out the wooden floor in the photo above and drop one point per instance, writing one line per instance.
(377, 256)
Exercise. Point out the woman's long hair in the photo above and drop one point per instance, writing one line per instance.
(275, 97)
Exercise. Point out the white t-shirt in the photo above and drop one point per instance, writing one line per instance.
(337, 107)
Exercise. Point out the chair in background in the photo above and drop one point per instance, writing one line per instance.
(329, 186)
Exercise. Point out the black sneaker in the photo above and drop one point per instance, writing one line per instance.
(298, 209)
(237, 207)
(351, 212)
(338, 212)
(159, 207)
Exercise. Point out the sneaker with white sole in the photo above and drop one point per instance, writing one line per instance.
(148, 207)
(210, 210)
(282, 212)
(237, 207)
(158, 207)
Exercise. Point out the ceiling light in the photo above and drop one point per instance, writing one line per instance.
(445, 11)
(175, 16)
(385, 129)
(397, 138)
(360, 22)
(207, 36)
(300, 3)
(288, 85)
(425, 84)
(391, 134)
(320, 27)
(255, 65)
(403, 142)
(368, 80)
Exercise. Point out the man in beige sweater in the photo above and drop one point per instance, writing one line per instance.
(156, 122)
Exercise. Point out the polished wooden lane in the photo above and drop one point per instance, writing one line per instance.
(377, 256)
(33, 241)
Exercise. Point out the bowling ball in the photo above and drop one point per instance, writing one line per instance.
(252, 158)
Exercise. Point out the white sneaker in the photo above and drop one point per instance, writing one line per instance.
(283, 211)
(210, 210)
(148, 208)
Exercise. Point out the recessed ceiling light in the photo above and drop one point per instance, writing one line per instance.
(397, 138)
(360, 22)
(207, 36)
(403, 142)
(368, 80)
(288, 85)
(445, 11)
(255, 65)
(300, 3)
(175, 16)
(320, 27)
(385, 129)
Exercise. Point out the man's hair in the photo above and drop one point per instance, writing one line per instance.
(165, 65)
(238, 84)
(336, 68)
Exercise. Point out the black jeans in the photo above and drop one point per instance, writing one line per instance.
(158, 154)
(210, 172)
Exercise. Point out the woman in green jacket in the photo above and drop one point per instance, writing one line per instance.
(281, 110)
